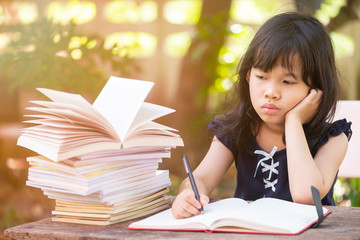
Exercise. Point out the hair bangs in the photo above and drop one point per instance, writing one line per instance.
(269, 52)
(288, 53)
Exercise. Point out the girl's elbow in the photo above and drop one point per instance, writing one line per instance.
(303, 200)
(302, 197)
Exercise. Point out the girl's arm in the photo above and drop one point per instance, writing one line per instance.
(207, 175)
(303, 169)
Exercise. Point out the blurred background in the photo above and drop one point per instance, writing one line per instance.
(189, 48)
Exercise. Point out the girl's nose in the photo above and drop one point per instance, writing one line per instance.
(272, 92)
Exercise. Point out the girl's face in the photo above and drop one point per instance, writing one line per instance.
(276, 92)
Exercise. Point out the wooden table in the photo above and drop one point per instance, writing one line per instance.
(342, 223)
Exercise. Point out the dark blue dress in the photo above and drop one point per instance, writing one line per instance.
(266, 174)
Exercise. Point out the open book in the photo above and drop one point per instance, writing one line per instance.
(70, 126)
(266, 216)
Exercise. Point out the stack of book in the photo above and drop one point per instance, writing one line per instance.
(100, 162)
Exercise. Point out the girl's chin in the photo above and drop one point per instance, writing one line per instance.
(273, 120)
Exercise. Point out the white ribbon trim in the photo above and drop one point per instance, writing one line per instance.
(266, 155)
(270, 184)
(271, 168)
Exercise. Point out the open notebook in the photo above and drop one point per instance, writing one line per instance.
(266, 216)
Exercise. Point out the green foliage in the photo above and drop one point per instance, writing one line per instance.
(347, 189)
(344, 45)
(354, 195)
(52, 55)
(329, 9)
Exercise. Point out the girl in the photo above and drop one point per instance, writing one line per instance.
(278, 134)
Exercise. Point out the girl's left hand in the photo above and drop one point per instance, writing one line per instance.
(307, 108)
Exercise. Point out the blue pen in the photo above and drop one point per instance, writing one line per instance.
(192, 180)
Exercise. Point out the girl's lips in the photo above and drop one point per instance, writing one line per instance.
(270, 108)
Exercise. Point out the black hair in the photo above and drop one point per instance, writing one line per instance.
(283, 37)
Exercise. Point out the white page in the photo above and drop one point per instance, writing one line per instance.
(147, 113)
(120, 101)
(275, 215)
(64, 97)
(76, 118)
(212, 212)
(80, 108)
(57, 123)
(153, 129)
(162, 176)
(123, 198)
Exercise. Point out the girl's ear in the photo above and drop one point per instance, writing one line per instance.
(248, 76)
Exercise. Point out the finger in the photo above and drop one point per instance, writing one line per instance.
(179, 212)
(204, 200)
(319, 94)
(312, 94)
(186, 209)
(180, 208)
(191, 200)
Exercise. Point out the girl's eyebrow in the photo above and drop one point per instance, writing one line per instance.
(292, 75)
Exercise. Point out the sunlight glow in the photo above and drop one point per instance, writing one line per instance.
(27, 12)
(329, 9)
(229, 57)
(4, 40)
(57, 38)
(78, 11)
(236, 28)
(75, 42)
(235, 45)
(130, 11)
(344, 45)
(253, 11)
(132, 44)
(76, 54)
(182, 11)
(177, 44)
(18, 12)
(148, 11)
(91, 44)
(223, 84)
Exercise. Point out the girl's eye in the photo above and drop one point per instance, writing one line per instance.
(288, 82)
(261, 77)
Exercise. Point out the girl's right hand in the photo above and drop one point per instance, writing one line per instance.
(185, 204)
(306, 109)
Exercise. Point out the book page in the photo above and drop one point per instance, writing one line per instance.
(153, 128)
(101, 207)
(67, 98)
(108, 157)
(153, 140)
(58, 123)
(212, 212)
(120, 101)
(104, 215)
(52, 151)
(271, 215)
(76, 103)
(147, 113)
(75, 118)
(159, 177)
